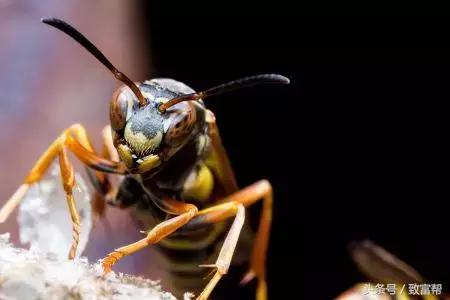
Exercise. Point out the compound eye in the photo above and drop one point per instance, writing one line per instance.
(119, 109)
(180, 128)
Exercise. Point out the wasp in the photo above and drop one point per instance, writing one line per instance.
(175, 173)
(395, 278)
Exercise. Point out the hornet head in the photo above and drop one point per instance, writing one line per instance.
(151, 121)
(145, 136)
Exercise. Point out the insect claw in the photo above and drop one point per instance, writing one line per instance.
(110, 260)
(106, 268)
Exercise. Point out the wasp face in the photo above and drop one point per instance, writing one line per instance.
(144, 137)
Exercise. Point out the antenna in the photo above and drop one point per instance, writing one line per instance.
(228, 87)
(83, 41)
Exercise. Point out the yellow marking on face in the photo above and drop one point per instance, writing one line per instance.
(125, 155)
(149, 162)
(139, 142)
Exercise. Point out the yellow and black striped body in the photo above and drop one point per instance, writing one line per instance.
(192, 245)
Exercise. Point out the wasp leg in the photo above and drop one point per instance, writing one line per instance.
(68, 180)
(106, 189)
(75, 139)
(247, 196)
(218, 159)
(223, 261)
(185, 213)
(261, 189)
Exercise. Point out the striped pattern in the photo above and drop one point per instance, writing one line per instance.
(183, 268)
(76, 226)
(76, 229)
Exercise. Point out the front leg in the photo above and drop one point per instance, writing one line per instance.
(185, 213)
(74, 139)
(106, 185)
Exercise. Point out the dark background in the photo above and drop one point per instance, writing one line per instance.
(355, 147)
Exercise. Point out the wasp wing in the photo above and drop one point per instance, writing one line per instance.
(382, 266)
